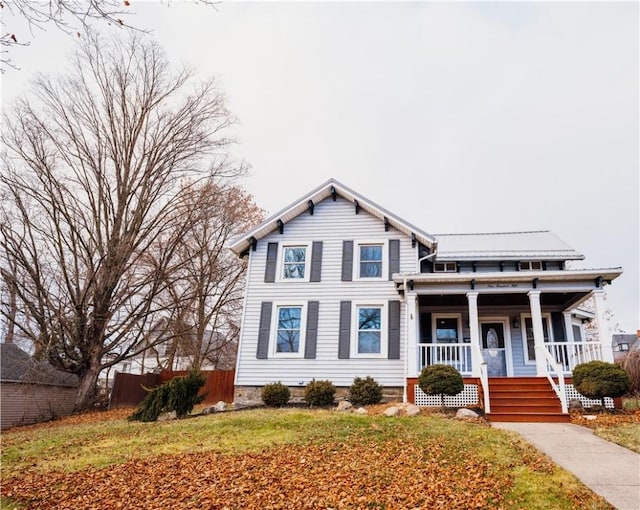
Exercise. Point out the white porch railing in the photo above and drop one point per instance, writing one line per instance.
(456, 355)
(570, 354)
(553, 368)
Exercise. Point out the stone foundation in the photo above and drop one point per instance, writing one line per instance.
(244, 394)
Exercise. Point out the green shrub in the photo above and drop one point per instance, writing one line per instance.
(179, 394)
(599, 379)
(365, 391)
(630, 362)
(440, 380)
(319, 393)
(275, 394)
(631, 404)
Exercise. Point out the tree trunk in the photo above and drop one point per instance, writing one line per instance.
(87, 388)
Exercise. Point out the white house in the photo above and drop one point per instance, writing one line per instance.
(339, 287)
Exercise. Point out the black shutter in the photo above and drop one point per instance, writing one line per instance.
(394, 329)
(264, 330)
(316, 261)
(557, 323)
(347, 261)
(394, 257)
(312, 330)
(272, 262)
(425, 328)
(344, 333)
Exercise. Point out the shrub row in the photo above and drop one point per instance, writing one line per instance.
(363, 391)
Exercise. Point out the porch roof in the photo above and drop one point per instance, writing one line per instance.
(569, 276)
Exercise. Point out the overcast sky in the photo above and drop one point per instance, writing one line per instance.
(458, 117)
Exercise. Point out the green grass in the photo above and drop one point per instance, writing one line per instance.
(71, 447)
(625, 434)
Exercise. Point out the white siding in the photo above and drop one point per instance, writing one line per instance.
(332, 222)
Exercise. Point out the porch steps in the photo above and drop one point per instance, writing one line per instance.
(524, 399)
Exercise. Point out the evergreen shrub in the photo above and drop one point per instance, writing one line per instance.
(365, 391)
(275, 394)
(319, 393)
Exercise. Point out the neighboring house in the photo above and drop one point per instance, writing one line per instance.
(217, 352)
(624, 343)
(338, 287)
(32, 391)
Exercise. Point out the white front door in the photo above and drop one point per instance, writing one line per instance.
(495, 341)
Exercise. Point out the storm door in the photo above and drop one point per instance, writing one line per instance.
(494, 343)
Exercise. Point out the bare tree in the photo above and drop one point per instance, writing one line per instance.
(92, 179)
(205, 292)
(70, 16)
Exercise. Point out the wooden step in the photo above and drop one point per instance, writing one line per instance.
(530, 417)
(524, 399)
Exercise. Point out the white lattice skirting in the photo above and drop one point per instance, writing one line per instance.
(469, 396)
(572, 394)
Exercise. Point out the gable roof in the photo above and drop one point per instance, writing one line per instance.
(322, 192)
(538, 244)
(19, 367)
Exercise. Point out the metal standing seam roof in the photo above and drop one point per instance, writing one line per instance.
(537, 244)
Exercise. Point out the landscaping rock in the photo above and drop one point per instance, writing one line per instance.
(362, 411)
(392, 411)
(411, 410)
(345, 406)
(466, 414)
(575, 405)
(167, 416)
(220, 406)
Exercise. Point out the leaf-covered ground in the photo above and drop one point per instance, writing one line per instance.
(622, 428)
(305, 460)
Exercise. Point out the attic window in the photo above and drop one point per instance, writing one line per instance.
(445, 267)
(623, 347)
(531, 265)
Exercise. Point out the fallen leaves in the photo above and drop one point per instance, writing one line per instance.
(359, 474)
(605, 419)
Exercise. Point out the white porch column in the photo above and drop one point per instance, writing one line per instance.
(474, 330)
(412, 335)
(603, 325)
(568, 326)
(538, 332)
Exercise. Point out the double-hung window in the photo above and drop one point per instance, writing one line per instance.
(295, 263)
(289, 331)
(370, 260)
(527, 334)
(369, 338)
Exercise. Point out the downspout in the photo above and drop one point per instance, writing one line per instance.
(426, 257)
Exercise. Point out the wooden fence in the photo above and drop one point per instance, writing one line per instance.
(129, 389)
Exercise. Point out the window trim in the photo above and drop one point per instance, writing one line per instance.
(434, 324)
(273, 335)
(523, 328)
(384, 329)
(307, 261)
(530, 263)
(385, 260)
(445, 268)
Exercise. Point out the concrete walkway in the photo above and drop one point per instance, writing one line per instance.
(609, 470)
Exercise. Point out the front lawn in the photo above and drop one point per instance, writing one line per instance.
(287, 458)
(621, 428)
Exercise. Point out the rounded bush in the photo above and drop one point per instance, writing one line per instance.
(599, 379)
(440, 380)
(275, 394)
(365, 391)
(319, 393)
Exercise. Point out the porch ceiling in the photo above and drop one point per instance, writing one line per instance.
(560, 300)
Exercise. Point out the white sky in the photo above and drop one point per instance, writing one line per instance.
(458, 117)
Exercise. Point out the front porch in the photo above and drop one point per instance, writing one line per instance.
(521, 329)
